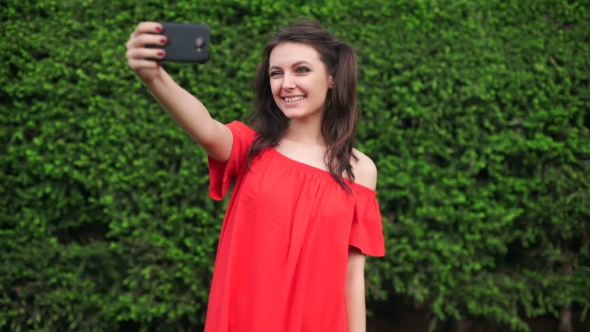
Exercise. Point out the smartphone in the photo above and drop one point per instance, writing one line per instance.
(187, 42)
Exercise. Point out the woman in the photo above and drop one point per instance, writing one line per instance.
(303, 213)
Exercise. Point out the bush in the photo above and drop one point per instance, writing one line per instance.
(477, 114)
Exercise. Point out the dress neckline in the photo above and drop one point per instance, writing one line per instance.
(321, 172)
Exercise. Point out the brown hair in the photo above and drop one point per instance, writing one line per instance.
(341, 115)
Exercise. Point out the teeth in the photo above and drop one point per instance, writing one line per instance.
(294, 99)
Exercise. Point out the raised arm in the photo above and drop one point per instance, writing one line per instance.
(186, 110)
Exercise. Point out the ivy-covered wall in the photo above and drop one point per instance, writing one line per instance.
(477, 114)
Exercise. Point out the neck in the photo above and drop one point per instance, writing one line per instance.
(307, 131)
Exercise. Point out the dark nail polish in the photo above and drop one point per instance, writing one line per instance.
(160, 53)
(163, 40)
(158, 29)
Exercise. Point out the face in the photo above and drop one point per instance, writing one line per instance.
(299, 80)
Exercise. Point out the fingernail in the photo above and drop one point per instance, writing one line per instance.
(160, 64)
(163, 40)
(160, 53)
(158, 29)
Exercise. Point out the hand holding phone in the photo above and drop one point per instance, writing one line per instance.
(151, 43)
(186, 42)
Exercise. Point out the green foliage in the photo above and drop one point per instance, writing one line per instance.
(477, 114)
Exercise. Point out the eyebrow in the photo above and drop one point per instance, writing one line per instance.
(294, 65)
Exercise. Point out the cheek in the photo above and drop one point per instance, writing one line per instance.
(320, 82)
(275, 87)
(320, 88)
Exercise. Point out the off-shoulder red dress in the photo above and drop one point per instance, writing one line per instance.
(282, 255)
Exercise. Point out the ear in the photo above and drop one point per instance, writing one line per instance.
(330, 82)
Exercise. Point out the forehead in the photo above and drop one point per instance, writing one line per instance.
(285, 54)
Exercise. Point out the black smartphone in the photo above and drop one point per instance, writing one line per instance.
(187, 42)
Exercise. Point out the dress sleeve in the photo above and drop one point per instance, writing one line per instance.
(222, 174)
(366, 233)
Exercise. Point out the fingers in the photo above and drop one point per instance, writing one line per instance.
(147, 27)
(145, 53)
(137, 64)
(146, 39)
(138, 55)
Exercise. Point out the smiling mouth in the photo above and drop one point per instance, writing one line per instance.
(294, 99)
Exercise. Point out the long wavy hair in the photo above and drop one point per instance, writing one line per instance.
(341, 112)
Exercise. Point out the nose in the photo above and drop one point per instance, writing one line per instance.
(288, 82)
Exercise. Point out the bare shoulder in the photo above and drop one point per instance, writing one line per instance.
(364, 169)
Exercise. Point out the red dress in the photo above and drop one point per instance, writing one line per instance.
(283, 248)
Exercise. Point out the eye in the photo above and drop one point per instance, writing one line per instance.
(303, 70)
(274, 73)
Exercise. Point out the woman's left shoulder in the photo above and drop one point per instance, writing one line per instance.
(365, 171)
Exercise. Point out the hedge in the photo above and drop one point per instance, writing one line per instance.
(477, 114)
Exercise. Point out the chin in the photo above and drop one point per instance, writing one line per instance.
(298, 116)
(292, 114)
(299, 113)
